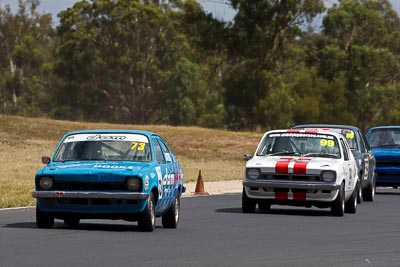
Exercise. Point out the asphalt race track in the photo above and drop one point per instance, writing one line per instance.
(214, 232)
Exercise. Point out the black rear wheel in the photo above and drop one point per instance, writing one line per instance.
(171, 218)
(337, 206)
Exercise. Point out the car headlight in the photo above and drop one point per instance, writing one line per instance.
(133, 184)
(328, 176)
(46, 182)
(253, 173)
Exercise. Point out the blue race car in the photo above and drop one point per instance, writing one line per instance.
(385, 144)
(110, 174)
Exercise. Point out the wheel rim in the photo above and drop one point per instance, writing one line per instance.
(176, 210)
(343, 204)
(153, 217)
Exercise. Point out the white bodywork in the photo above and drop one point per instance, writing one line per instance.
(294, 178)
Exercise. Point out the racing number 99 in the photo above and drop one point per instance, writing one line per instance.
(325, 142)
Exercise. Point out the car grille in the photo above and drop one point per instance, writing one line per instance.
(86, 186)
(291, 177)
(388, 163)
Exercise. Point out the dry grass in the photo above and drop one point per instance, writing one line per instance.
(217, 153)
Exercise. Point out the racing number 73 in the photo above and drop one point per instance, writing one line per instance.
(139, 146)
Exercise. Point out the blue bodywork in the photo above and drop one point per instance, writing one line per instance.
(97, 188)
(387, 154)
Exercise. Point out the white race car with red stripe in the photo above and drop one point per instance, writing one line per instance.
(301, 168)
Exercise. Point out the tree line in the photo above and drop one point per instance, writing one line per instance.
(169, 62)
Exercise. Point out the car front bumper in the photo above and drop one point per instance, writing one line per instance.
(90, 194)
(291, 190)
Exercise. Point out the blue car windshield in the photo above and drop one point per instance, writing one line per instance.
(384, 137)
(112, 147)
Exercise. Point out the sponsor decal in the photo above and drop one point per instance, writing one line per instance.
(99, 166)
(303, 135)
(168, 179)
(159, 183)
(106, 137)
(146, 183)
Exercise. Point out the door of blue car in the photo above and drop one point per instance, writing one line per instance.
(166, 185)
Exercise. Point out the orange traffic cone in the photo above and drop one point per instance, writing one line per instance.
(200, 186)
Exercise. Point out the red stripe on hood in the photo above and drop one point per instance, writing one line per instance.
(282, 166)
(300, 167)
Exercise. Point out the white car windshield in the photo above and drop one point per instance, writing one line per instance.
(113, 147)
(301, 144)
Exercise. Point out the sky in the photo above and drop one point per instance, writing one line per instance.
(219, 8)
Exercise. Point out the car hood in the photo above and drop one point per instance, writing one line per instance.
(92, 169)
(386, 153)
(299, 165)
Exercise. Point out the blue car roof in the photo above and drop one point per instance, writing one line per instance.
(147, 133)
(385, 127)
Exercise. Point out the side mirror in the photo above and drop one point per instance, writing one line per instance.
(45, 159)
(247, 157)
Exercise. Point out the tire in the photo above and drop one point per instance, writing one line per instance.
(369, 192)
(147, 218)
(351, 204)
(171, 218)
(360, 193)
(337, 206)
(264, 206)
(248, 204)
(72, 221)
(43, 219)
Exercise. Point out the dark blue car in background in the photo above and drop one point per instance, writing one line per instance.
(385, 144)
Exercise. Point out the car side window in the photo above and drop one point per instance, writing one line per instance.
(165, 150)
(345, 150)
(362, 143)
(367, 147)
(159, 154)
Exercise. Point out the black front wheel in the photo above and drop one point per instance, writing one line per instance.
(351, 204)
(369, 191)
(43, 219)
(147, 218)
(248, 204)
(337, 206)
